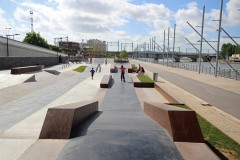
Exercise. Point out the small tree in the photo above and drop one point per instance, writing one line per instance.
(123, 54)
(35, 39)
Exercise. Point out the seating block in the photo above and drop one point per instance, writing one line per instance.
(106, 81)
(113, 69)
(130, 70)
(138, 84)
(61, 120)
(181, 124)
(19, 70)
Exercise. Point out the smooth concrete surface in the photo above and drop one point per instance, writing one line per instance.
(21, 130)
(44, 150)
(19, 124)
(192, 151)
(122, 131)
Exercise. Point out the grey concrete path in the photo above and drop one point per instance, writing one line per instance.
(120, 131)
(222, 120)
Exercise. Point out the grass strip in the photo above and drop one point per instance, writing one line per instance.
(219, 142)
(145, 79)
(80, 69)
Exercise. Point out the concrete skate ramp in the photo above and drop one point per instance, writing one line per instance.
(60, 121)
(180, 123)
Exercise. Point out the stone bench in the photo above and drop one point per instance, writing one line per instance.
(137, 83)
(106, 81)
(181, 124)
(26, 69)
(113, 69)
(130, 70)
(60, 121)
(166, 94)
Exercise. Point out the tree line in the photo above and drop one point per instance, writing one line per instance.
(229, 49)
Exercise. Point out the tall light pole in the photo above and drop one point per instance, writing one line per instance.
(174, 42)
(7, 42)
(200, 52)
(219, 34)
(31, 14)
(168, 44)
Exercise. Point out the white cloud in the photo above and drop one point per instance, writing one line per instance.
(233, 15)
(97, 18)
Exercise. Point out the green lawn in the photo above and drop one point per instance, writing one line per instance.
(80, 69)
(145, 79)
(217, 139)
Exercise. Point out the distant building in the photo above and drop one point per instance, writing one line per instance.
(95, 46)
(71, 47)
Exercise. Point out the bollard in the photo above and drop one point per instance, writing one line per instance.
(155, 76)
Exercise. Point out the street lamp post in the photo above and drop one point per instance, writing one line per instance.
(7, 42)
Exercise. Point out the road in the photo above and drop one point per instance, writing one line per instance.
(224, 100)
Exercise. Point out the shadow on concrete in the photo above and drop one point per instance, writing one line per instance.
(217, 152)
(111, 83)
(82, 129)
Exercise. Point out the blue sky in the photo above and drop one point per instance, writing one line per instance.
(118, 20)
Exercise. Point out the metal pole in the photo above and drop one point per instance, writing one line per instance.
(231, 37)
(150, 44)
(173, 42)
(7, 47)
(219, 34)
(168, 44)
(163, 47)
(132, 46)
(118, 46)
(154, 45)
(200, 53)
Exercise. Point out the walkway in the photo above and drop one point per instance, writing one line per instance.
(122, 131)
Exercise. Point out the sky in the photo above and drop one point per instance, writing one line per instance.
(126, 21)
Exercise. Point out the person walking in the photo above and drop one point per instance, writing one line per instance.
(98, 68)
(122, 73)
(92, 73)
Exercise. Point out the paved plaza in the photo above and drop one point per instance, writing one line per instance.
(120, 130)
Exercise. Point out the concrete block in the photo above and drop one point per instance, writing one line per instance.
(60, 121)
(181, 124)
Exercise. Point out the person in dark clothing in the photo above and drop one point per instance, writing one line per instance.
(92, 72)
(122, 73)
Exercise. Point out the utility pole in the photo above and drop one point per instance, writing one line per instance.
(173, 42)
(200, 53)
(219, 34)
(31, 14)
(168, 44)
(163, 47)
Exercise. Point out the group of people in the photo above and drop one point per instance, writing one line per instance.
(140, 71)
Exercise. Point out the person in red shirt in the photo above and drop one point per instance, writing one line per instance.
(122, 73)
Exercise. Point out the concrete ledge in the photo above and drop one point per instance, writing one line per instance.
(181, 124)
(113, 69)
(166, 94)
(60, 121)
(138, 84)
(106, 81)
(130, 70)
(196, 151)
(26, 69)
